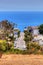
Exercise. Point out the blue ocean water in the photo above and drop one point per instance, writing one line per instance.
(23, 19)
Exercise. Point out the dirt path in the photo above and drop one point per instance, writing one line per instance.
(21, 60)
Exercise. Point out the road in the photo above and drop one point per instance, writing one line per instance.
(20, 43)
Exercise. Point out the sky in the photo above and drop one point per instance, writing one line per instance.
(21, 5)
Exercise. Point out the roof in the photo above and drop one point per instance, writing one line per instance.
(34, 27)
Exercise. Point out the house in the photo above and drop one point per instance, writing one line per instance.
(36, 36)
(35, 31)
(39, 39)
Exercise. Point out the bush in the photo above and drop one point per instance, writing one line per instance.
(33, 47)
(41, 29)
(18, 33)
(17, 51)
(28, 36)
(3, 45)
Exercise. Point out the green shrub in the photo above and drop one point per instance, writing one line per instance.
(17, 51)
(3, 45)
(33, 47)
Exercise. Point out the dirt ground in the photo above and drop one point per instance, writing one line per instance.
(13, 59)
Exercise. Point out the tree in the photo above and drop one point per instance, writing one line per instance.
(41, 29)
(8, 32)
(33, 47)
(18, 33)
(3, 45)
(29, 28)
(28, 36)
(7, 27)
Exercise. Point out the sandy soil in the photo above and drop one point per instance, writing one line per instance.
(13, 59)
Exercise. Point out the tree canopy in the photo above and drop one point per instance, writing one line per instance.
(7, 28)
(41, 29)
(6, 25)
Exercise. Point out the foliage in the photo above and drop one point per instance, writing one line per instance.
(18, 33)
(3, 45)
(6, 25)
(17, 51)
(41, 29)
(29, 29)
(8, 29)
(28, 36)
(33, 47)
(2, 41)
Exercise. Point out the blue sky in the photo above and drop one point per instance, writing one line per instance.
(21, 5)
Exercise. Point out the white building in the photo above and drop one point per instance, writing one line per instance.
(36, 36)
(35, 31)
(39, 39)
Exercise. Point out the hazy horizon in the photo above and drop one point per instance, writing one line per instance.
(21, 5)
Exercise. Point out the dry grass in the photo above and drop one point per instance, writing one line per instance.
(13, 59)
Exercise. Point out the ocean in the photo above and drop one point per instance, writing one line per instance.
(23, 19)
